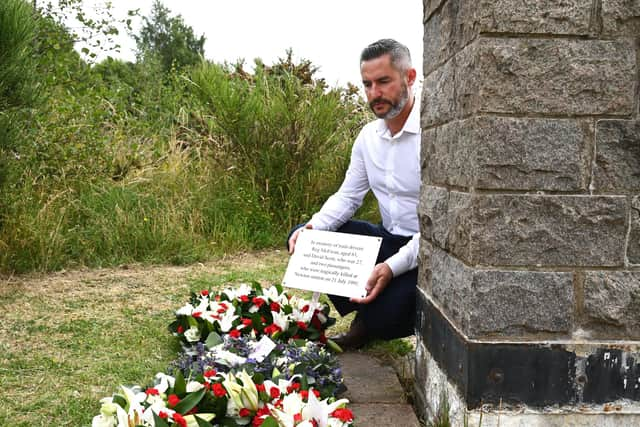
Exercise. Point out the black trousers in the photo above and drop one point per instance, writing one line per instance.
(392, 313)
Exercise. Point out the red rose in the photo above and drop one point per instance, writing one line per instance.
(263, 412)
(234, 333)
(343, 414)
(244, 412)
(305, 308)
(210, 373)
(180, 329)
(297, 418)
(152, 392)
(219, 390)
(246, 322)
(163, 415)
(260, 387)
(173, 400)
(272, 329)
(304, 394)
(257, 301)
(196, 314)
(179, 419)
(293, 387)
(302, 325)
(204, 292)
(316, 392)
(244, 298)
(316, 322)
(274, 392)
(275, 306)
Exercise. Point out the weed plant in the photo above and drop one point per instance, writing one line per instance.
(126, 162)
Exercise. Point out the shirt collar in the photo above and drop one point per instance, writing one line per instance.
(412, 125)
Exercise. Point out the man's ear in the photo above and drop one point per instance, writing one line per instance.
(411, 76)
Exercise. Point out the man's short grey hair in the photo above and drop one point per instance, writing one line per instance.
(400, 56)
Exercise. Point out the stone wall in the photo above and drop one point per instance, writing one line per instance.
(530, 211)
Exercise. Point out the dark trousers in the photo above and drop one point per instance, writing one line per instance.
(392, 313)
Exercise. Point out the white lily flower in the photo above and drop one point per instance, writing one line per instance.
(164, 382)
(194, 386)
(210, 316)
(281, 320)
(242, 289)
(320, 410)
(203, 305)
(226, 323)
(299, 316)
(185, 310)
(249, 392)
(234, 389)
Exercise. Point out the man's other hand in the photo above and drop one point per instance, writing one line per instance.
(379, 279)
(294, 237)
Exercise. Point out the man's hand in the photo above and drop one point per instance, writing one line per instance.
(379, 279)
(294, 237)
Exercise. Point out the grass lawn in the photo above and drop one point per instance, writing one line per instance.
(68, 339)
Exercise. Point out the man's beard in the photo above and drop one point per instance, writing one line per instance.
(396, 107)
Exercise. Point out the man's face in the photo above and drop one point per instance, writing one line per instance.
(387, 89)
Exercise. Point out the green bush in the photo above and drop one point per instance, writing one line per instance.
(286, 141)
(126, 162)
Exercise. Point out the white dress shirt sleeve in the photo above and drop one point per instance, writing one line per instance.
(342, 205)
(406, 258)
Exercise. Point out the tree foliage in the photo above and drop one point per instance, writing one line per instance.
(169, 39)
(17, 31)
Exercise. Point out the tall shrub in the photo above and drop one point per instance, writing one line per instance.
(285, 139)
(18, 88)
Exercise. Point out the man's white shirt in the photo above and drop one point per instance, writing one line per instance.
(390, 167)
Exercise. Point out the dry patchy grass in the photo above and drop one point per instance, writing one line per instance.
(68, 339)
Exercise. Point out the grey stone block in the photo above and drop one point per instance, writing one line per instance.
(439, 37)
(612, 302)
(438, 100)
(451, 287)
(621, 17)
(539, 17)
(532, 154)
(449, 26)
(521, 302)
(546, 76)
(633, 244)
(449, 154)
(511, 154)
(446, 219)
(430, 6)
(434, 204)
(424, 265)
(617, 167)
(502, 303)
(523, 230)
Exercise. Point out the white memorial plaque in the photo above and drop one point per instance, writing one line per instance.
(332, 263)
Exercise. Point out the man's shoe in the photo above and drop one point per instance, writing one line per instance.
(355, 338)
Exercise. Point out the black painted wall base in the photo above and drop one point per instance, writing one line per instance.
(534, 374)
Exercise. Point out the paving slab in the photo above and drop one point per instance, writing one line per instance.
(384, 415)
(374, 392)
